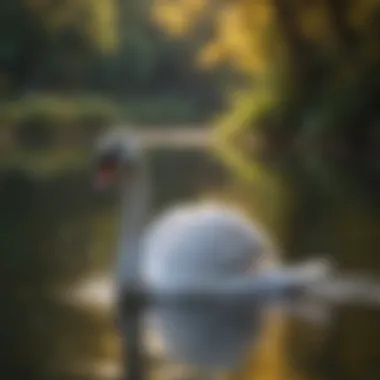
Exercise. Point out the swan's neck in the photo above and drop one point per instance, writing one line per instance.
(135, 202)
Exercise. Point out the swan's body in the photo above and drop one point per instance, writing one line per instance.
(198, 243)
(204, 248)
(195, 248)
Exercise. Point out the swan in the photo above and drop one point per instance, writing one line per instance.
(192, 251)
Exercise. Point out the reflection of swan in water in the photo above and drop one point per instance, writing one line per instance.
(207, 250)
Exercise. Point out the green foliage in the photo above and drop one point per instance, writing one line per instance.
(57, 108)
(61, 128)
(111, 48)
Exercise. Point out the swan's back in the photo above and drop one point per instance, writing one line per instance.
(193, 243)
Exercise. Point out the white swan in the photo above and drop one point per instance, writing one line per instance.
(208, 250)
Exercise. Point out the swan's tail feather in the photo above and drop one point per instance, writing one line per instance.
(283, 282)
(297, 279)
(304, 276)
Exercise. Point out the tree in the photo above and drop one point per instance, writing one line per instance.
(302, 139)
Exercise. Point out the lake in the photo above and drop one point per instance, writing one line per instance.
(56, 234)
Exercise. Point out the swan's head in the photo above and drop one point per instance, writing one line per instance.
(119, 159)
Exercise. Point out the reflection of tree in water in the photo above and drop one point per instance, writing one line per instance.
(37, 331)
(335, 213)
(319, 206)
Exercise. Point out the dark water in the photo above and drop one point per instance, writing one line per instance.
(322, 209)
(55, 231)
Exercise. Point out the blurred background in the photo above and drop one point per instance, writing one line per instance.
(271, 104)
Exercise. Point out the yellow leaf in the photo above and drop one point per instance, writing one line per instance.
(210, 55)
(103, 23)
